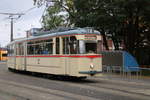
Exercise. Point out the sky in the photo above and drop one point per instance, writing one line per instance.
(31, 19)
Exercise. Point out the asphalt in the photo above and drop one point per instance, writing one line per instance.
(17, 86)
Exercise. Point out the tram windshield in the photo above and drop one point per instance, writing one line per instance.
(87, 47)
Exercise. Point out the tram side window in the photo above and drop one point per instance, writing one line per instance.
(20, 49)
(99, 46)
(48, 47)
(70, 45)
(17, 49)
(73, 45)
(11, 50)
(41, 47)
(66, 45)
(57, 45)
(8, 49)
(38, 49)
(30, 48)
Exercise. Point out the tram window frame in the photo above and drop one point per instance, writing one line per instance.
(48, 46)
(57, 45)
(73, 44)
(30, 48)
(70, 45)
(85, 48)
(91, 47)
(19, 49)
(40, 47)
(65, 45)
(99, 46)
(11, 50)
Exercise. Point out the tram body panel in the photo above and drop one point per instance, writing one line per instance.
(72, 65)
(51, 65)
(20, 63)
(11, 62)
(63, 65)
(86, 64)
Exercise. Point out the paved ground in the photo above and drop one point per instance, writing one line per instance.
(15, 86)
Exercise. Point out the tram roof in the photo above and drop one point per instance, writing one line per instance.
(60, 33)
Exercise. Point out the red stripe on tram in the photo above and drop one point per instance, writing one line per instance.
(72, 56)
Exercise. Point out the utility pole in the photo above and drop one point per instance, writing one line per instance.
(11, 17)
(11, 30)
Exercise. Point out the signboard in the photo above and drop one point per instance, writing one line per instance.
(90, 37)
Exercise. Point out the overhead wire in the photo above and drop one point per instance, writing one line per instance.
(23, 13)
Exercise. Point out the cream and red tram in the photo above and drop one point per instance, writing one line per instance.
(72, 53)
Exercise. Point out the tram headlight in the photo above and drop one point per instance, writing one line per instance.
(91, 66)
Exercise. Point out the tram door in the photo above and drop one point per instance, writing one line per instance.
(20, 56)
(13, 54)
(23, 63)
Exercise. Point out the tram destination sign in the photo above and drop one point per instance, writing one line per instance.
(90, 37)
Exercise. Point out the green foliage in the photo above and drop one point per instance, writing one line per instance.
(60, 14)
(126, 21)
(53, 19)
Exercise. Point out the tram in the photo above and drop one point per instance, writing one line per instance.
(3, 54)
(72, 52)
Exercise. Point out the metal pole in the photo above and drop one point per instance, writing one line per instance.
(11, 28)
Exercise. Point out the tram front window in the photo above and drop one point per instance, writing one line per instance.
(88, 47)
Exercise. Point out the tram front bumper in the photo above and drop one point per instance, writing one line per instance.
(90, 72)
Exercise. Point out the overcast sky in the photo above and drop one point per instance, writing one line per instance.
(27, 21)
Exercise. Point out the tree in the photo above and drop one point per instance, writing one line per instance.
(53, 19)
(136, 26)
(127, 21)
(100, 14)
(59, 13)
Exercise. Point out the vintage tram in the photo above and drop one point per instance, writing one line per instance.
(71, 52)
